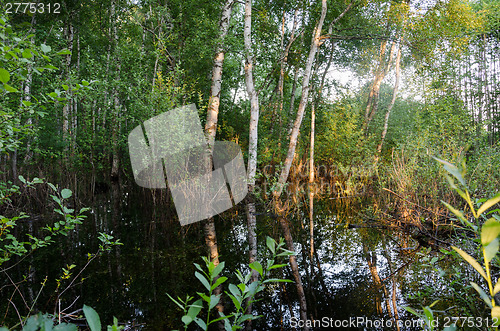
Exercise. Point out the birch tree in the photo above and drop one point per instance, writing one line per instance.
(211, 125)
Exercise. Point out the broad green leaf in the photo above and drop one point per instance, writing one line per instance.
(27, 53)
(21, 178)
(66, 193)
(482, 294)
(488, 204)
(256, 266)
(429, 316)
(271, 244)
(201, 323)
(186, 320)
(45, 48)
(236, 301)
(234, 290)
(471, 261)
(452, 169)
(214, 300)
(491, 250)
(9, 88)
(4, 75)
(203, 280)
(92, 317)
(217, 270)
(65, 87)
(195, 309)
(219, 281)
(489, 231)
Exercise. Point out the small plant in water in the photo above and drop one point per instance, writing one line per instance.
(488, 233)
(242, 294)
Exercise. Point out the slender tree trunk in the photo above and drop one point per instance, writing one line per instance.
(383, 68)
(211, 129)
(315, 43)
(391, 104)
(116, 100)
(68, 31)
(311, 189)
(252, 149)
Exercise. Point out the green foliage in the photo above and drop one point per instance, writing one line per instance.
(241, 295)
(488, 233)
(45, 322)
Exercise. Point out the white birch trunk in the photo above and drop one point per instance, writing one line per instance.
(252, 148)
(391, 104)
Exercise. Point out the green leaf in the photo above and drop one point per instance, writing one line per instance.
(217, 270)
(482, 294)
(236, 301)
(214, 300)
(45, 48)
(491, 250)
(452, 169)
(429, 315)
(65, 87)
(219, 281)
(92, 317)
(203, 280)
(489, 231)
(186, 320)
(412, 311)
(256, 266)
(195, 308)
(4, 75)
(488, 204)
(271, 244)
(63, 52)
(277, 280)
(496, 289)
(27, 53)
(460, 215)
(9, 88)
(21, 178)
(66, 193)
(277, 266)
(201, 323)
(471, 261)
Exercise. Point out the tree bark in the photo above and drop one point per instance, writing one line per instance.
(68, 32)
(315, 44)
(391, 104)
(211, 130)
(383, 68)
(252, 148)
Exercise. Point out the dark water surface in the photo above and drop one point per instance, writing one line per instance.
(357, 272)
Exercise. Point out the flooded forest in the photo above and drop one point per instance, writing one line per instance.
(249, 165)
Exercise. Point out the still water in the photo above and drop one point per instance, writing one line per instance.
(361, 276)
